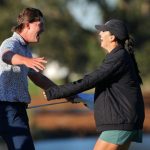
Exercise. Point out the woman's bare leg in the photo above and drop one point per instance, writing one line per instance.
(103, 145)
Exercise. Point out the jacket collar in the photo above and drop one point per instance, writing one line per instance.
(116, 49)
(19, 38)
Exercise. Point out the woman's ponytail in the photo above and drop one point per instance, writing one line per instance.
(129, 46)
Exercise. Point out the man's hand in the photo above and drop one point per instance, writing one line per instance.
(69, 99)
(44, 94)
(35, 63)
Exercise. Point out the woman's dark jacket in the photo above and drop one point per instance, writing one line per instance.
(118, 98)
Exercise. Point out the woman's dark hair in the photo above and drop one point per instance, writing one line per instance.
(129, 46)
(27, 15)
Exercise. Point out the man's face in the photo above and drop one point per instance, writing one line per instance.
(34, 31)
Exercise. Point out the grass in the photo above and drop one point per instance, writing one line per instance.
(146, 85)
(34, 90)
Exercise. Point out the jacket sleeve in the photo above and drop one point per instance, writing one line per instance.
(109, 66)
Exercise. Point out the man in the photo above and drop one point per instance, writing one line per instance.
(15, 61)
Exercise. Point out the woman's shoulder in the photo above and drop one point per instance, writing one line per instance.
(119, 54)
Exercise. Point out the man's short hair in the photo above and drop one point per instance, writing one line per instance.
(27, 15)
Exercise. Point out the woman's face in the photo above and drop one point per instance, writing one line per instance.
(105, 39)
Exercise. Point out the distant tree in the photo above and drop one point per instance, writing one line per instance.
(64, 39)
(67, 42)
(2, 2)
(8, 11)
(136, 14)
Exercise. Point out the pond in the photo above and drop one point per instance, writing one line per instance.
(84, 144)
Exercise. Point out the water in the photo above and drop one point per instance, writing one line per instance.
(66, 144)
(83, 144)
(80, 144)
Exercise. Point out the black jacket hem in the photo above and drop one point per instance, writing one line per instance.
(127, 127)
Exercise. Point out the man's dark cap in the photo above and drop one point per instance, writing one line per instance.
(116, 27)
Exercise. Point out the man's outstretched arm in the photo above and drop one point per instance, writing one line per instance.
(12, 58)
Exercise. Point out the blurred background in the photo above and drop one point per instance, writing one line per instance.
(71, 46)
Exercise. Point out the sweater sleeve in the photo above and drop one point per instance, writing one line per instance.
(109, 66)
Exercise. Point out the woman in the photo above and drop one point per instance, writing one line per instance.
(118, 101)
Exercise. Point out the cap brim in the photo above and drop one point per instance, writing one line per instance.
(101, 27)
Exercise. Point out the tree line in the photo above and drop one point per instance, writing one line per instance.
(71, 45)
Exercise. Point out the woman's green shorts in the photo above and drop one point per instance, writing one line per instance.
(121, 137)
